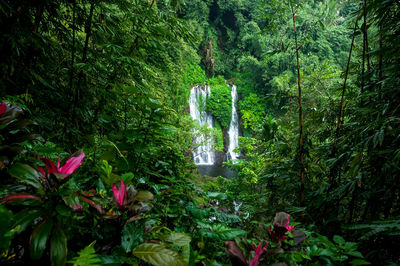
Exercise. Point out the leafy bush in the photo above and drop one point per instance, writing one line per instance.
(252, 111)
(220, 104)
(219, 138)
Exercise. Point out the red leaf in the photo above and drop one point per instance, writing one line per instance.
(3, 108)
(93, 204)
(11, 198)
(235, 251)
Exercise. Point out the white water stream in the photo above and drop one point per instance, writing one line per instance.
(233, 131)
(204, 153)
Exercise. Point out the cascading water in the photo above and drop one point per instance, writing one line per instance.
(204, 154)
(233, 131)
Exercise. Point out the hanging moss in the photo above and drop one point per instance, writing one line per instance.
(220, 103)
(219, 138)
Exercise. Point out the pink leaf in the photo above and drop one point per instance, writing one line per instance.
(287, 226)
(71, 165)
(259, 250)
(119, 195)
(77, 207)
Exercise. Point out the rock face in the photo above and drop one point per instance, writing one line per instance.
(219, 158)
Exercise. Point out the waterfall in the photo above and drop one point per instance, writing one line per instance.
(233, 131)
(204, 154)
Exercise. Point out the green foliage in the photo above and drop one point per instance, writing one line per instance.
(132, 236)
(6, 217)
(87, 257)
(220, 104)
(177, 239)
(193, 75)
(387, 227)
(156, 254)
(220, 232)
(252, 111)
(219, 138)
(39, 238)
(337, 252)
(58, 247)
(113, 78)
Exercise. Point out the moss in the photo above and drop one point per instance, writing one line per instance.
(216, 81)
(219, 138)
(220, 101)
(193, 75)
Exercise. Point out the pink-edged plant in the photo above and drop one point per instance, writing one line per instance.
(119, 194)
(47, 192)
(280, 227)
(259, 249)
(237, 256)
(127, 198)
(61, 171)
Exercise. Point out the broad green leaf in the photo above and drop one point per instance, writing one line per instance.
(58, 247)
(26, 174)
(326, 252)
(355, 254)
(143, 196)
(158, 255)
(177, 239)
(186, 253)
(197, 213)
(63, 210)
(221, 232)
(359, 262)
(24, 218)
(217, 195)
(338, 239)
(39, 239)
(350, 246)
(5, 228)
(132, 235)
(127, 177)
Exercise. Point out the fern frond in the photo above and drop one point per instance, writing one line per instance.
(388, 227)
(87, 257)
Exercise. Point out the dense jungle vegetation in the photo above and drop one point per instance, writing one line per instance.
(96, 138)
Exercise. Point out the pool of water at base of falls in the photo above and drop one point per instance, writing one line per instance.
(214, 171)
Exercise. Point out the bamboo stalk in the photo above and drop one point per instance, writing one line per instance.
(340, 114)
(301, 144)
(364, 51)
(88, 30)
